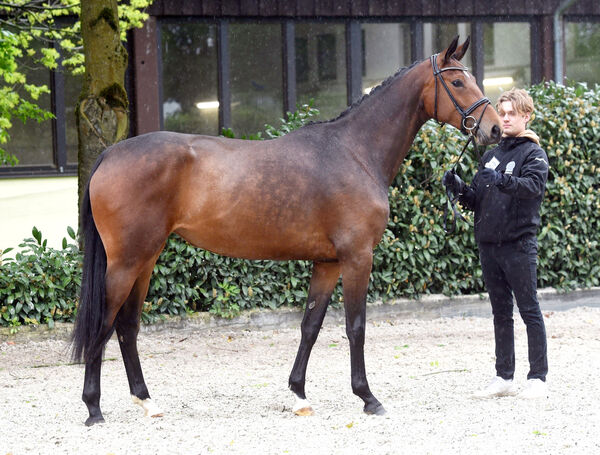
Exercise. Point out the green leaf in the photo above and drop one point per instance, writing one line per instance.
(37, 235)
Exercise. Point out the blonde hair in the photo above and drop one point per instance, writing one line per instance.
(520, 99)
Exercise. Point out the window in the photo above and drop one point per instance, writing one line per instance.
(582, 43)
(327, 57)
(189, 72)
(189, 78)
(386, 49)
(302, 66)
(256, 76)
(72, 92)
(31, 142)
(437, 36)
(507, 57)
(321, 50)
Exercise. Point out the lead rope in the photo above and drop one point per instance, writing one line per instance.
(451, 199)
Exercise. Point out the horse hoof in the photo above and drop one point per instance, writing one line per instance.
(307, 411)
(150, 409)
(377, 410)
(302, 407)
(92, 420)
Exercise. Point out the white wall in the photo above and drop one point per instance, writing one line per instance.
(50, 204)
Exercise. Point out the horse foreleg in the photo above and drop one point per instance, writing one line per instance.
(355, 280)
(128, 327)
(323, 280)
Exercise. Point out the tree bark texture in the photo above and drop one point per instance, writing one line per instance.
(102, 115)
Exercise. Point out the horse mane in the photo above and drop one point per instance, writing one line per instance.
(397, 75)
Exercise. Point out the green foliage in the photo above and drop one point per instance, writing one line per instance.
(303, 115)
(568, 122)
(186, 278)
(228, 132)
(415, 256)
(30, 29)
(41, 284)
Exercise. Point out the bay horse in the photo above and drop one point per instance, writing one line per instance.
(319, 193)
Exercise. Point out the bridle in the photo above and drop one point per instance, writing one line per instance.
(469, 125)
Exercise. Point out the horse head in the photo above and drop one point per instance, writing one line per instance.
(453, 96)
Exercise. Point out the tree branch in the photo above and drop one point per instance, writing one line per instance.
(36, 6)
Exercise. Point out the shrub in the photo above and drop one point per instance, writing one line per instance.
(568, 122)
(41, 284)
(414, 257)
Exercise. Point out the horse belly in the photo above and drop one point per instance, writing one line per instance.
(246, 238)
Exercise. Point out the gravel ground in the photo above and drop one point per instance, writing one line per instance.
(225, 391)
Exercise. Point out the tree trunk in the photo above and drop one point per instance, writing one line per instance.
(102, 116)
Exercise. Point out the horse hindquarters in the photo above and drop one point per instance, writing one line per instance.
(117, 269)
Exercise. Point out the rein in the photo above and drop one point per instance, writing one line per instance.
(469, 126)
(451, 199)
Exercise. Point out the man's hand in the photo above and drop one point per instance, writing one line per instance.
(489, 177)
(453, 182)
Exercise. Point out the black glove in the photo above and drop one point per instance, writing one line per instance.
(489, 177)
(453, 182)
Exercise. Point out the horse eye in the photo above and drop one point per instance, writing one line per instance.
(457, 83)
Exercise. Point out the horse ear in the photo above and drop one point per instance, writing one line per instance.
(451, 49)
(462, 49)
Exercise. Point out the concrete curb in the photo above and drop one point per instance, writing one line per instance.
(428, 307)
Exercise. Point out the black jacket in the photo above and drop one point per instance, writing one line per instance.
(511, 209)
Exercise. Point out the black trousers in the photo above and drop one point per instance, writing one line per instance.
(511, 268)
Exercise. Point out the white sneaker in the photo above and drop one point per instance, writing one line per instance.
(535, 388)
(498, 387)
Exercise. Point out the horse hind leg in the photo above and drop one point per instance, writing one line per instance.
(324, 278)
(119, 283)
(91, 390)
(128, 326)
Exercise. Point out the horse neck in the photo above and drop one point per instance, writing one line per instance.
(383, 126)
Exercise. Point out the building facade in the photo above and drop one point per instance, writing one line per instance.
(200, 66)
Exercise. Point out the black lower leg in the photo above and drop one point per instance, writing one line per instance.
(128, 326)
(311, 324)
(91, 391)
(355, 277)
(323, 280)
(128, 344)
(360, 385)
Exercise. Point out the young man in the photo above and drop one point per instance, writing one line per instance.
(506, 195)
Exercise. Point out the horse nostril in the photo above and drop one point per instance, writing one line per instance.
(496, 132)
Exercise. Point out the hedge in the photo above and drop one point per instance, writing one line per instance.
(415, 256)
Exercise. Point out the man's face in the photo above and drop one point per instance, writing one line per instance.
(513, 122)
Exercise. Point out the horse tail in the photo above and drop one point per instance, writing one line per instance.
(87, 339)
